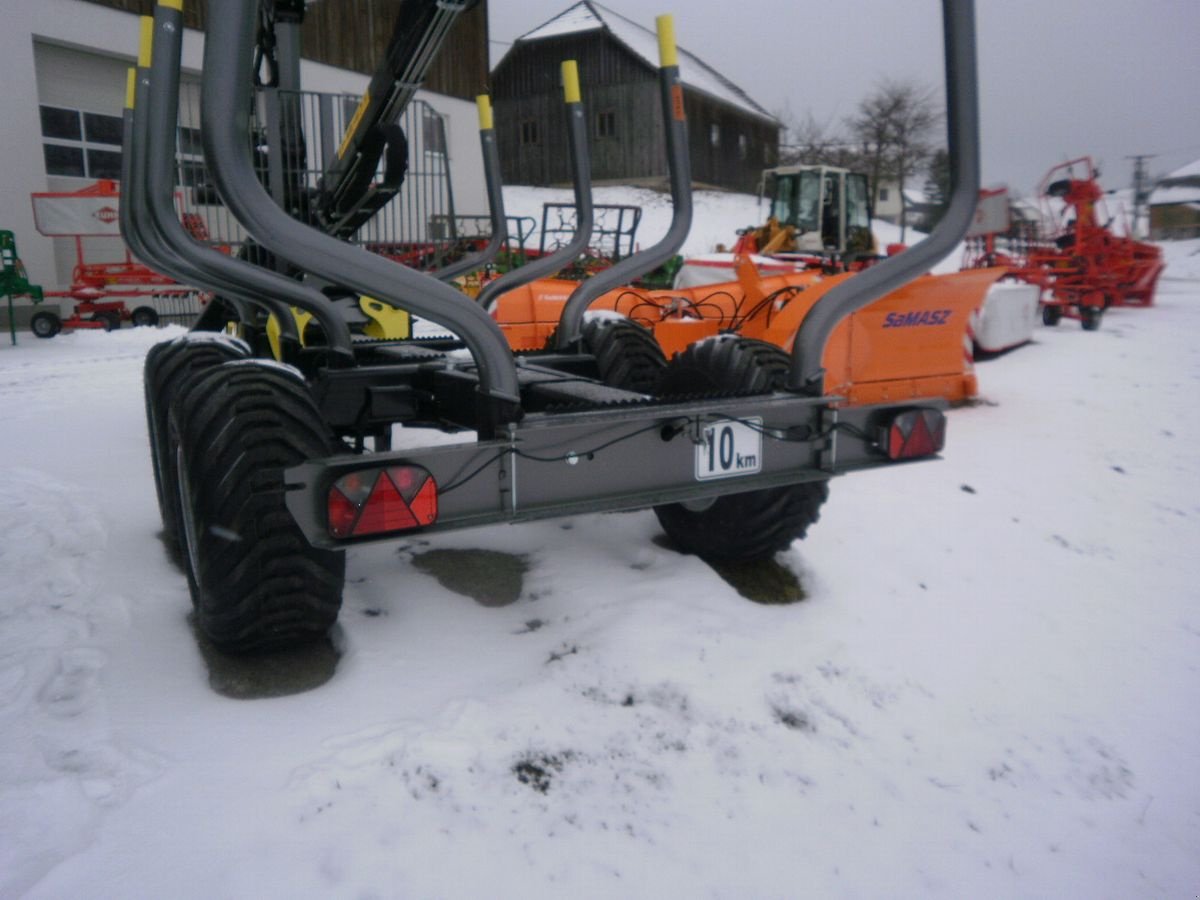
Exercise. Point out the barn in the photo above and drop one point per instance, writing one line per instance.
(732, 139)
(1175, 205)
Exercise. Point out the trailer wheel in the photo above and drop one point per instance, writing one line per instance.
(167, 367)
(755, 524)
(255, 580)
(1051, 315)
(144, 317)
(626, 354)
(45, 324)
(1089, 317)
(110, 321)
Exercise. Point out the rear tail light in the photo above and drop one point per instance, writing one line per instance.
(376, 501)
(915, 433)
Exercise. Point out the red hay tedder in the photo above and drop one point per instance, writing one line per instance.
(1080, 265)
(102, 290)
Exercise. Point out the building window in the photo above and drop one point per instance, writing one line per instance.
(606, 124)
(81, 144)
(714, 135)
(743, 146)
(434, 133)
(529, 131)
(190, 157)
(883, 195)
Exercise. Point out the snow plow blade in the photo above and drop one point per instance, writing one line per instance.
(912, 343)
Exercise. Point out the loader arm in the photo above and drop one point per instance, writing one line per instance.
(348, 194)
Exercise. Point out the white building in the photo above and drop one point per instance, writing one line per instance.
(63, 70)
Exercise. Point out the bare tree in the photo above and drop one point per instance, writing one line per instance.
(815, 143)
(893, 124)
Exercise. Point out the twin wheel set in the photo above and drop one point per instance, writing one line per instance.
(225, 426)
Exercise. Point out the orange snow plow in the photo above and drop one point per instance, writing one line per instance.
(911, 343)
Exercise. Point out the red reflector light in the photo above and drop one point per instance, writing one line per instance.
(916, 433)
(381, 500)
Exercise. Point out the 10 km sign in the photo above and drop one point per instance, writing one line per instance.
(730, 449)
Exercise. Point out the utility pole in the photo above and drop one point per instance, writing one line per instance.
(1141, 188)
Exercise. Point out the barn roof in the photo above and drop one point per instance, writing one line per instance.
(588, 15)
(1181, 186)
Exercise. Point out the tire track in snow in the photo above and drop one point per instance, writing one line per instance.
(60, 769)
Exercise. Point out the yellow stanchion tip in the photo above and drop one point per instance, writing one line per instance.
(146, 44)
(570, 77)
(668, 55)
(172, 4)
(130, 87)
(484, 104)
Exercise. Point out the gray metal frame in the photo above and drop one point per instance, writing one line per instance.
(621, 450)
(224, 111)
(679, 167)
(544, 266)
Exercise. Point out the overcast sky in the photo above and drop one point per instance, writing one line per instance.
(1058, 78)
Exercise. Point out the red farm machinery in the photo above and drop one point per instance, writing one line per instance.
(1073, 255)
(108, 285)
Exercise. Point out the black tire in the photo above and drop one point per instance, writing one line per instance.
(1089, 317)
(144, 317)
(110, 320)
(754, 524)
(1051, 315)
(45, 324)
(255, 580)
(167, 367)
(626, 354)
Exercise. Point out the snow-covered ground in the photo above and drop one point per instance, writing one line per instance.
(989, 689)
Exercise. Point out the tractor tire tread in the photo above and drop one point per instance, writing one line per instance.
(258, 583)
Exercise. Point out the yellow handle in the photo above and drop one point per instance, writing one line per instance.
(484, 104)
(146, 42)
(570, 76)
(130, 87)
(667, 53)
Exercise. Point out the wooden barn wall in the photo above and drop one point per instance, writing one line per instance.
(353, 36)
(729, 149)
(527, 87)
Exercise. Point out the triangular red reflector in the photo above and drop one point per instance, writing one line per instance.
(424, 504)
(385, 510)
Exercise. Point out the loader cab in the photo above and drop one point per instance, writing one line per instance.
(827, 206)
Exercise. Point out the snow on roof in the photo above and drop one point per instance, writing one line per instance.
(1181, 186)
(588, 15)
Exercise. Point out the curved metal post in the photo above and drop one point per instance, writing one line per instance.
(263, 287)
(137, 228)
(225, 111)
(962, 126)
(581, 180)
(679, 167)
(495, 194)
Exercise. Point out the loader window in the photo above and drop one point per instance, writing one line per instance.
(783, 200)
(858, 213)
(808, 216)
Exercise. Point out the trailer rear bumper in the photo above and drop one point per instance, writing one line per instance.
(626, 457)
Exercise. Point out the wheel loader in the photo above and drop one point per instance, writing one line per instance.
(300, 418)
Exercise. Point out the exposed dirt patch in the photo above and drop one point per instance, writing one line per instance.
(276, 673)
(763, 581)
(538, 770)
(488, 577)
